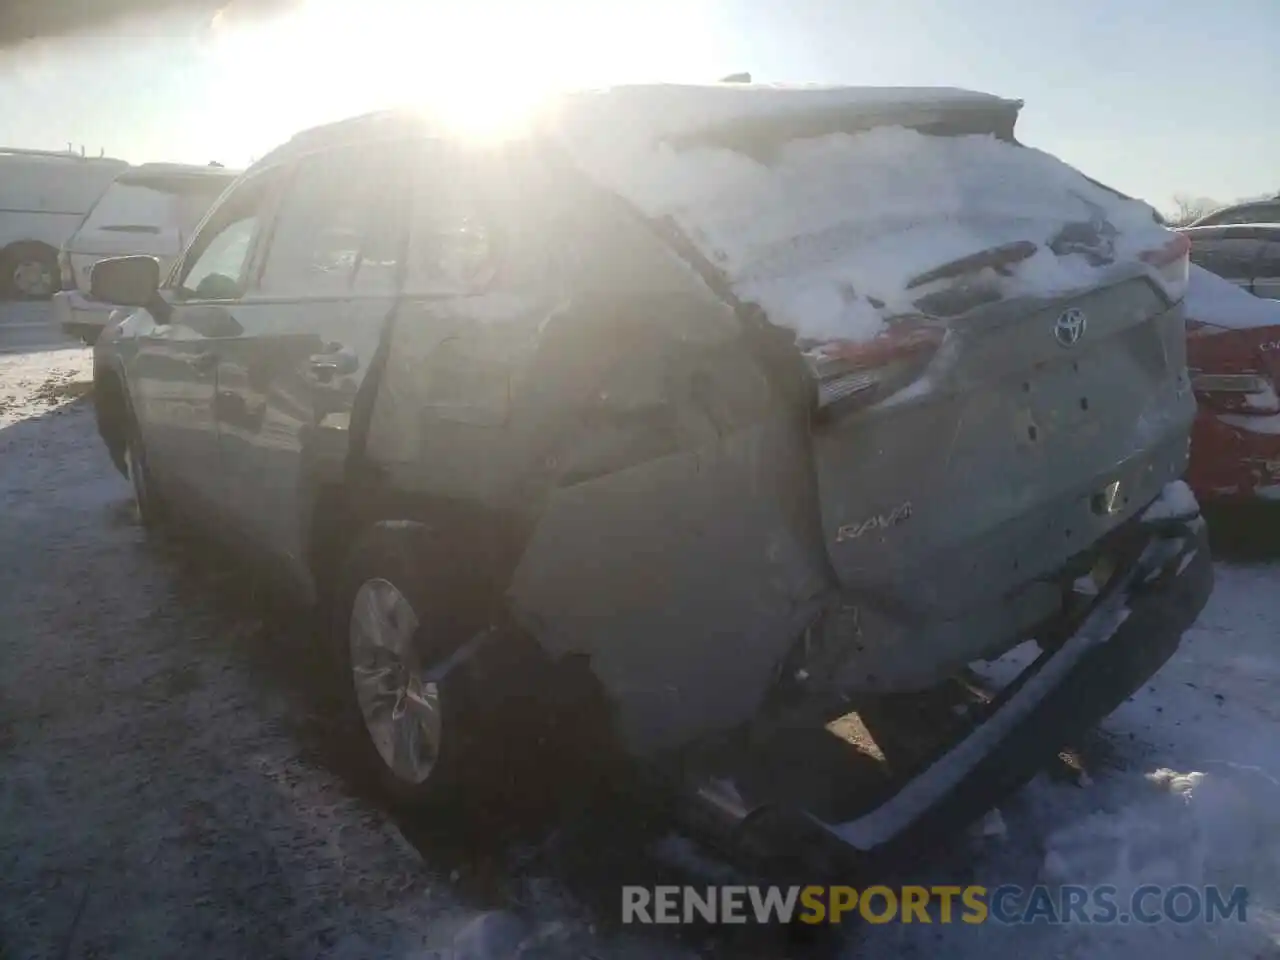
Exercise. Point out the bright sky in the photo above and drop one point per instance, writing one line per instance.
(1155, 97)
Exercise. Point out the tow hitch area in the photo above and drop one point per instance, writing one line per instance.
(835, 798)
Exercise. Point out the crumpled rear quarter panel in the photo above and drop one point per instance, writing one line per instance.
(663, 479)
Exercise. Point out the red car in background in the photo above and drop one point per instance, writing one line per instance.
(1233, 352)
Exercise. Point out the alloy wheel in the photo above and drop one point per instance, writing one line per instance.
(400, 707)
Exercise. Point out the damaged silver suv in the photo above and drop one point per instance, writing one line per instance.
(753, 408)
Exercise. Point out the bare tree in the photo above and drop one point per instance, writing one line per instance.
(1187, 208)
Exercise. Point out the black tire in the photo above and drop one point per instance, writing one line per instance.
(448, 615)
(146, 498)
(29, 271)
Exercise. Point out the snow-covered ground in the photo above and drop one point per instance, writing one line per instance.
(162, 791)
(32, 383)
(1186, 790)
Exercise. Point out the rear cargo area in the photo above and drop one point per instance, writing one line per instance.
(1039, 398)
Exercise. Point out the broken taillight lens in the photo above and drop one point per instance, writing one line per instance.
(853, 374)
(1171, 265)
(1245, 393)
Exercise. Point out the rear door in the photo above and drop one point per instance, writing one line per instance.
(325, 287)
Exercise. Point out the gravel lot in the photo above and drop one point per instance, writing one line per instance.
(169, 783)
(153, 800)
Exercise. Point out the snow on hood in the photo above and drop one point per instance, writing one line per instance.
(1212, 300)
(834, 224)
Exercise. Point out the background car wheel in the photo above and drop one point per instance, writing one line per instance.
(398, 616)
(29, 271)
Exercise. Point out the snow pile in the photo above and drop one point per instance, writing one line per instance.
(1176, 502)
(1185, 789)
(829, 232)
(1210, 299)
(1221, 828)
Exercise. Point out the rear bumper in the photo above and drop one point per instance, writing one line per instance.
(1124, 638)
(80, 317)
(1235, 458)
(1131, 633)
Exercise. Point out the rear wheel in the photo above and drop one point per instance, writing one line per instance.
(29, 271)
(396, 621)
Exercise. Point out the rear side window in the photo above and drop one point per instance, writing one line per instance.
(1269, 261)
(340, 226)
(453, 238)
(1230, 259)
(480, 222)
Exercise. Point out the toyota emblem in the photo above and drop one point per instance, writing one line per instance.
(1070, 327)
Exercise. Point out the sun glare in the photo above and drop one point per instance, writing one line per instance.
(483, 67)
(454, 66)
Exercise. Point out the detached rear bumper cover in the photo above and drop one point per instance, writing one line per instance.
(1129, 634)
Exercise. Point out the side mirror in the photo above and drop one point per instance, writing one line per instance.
(127, 281)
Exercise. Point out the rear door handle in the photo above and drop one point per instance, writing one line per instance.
(203, 362)
(338, 362)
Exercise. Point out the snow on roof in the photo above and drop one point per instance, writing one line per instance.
(1212, 300)
(194, 169)
(655, 111)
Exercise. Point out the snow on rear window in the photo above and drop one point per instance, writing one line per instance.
(828, 234)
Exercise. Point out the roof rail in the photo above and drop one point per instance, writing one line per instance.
(337, 132)
(59, 154)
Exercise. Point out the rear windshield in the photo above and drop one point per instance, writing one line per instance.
(154, 206)
(1250, 213)
(763, 137)
(833, 231)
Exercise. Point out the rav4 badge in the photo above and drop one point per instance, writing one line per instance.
(881, 521)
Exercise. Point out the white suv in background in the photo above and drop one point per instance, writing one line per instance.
(150, 210)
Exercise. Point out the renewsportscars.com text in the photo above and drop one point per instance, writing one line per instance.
(1006, 904)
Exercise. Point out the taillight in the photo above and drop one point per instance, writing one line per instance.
(1236, 392)
(1171, 265)
(852, 374)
